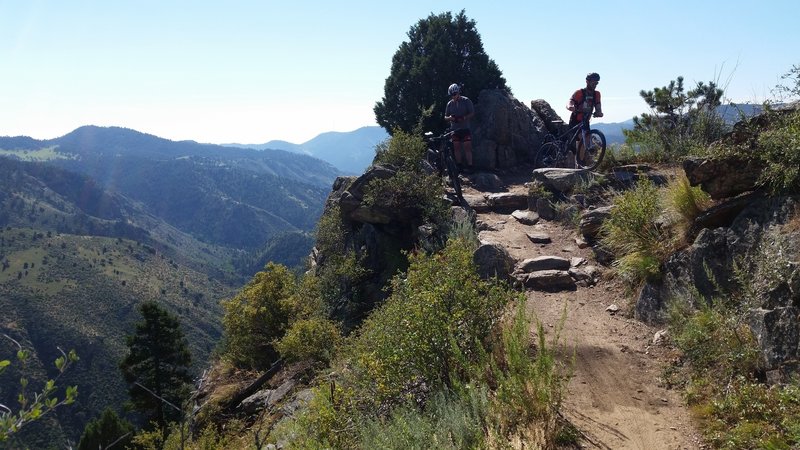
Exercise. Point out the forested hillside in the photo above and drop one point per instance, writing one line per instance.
(97, 222)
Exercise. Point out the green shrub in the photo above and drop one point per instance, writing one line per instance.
(684, 200)
(410, 188)
(309, 339)
(421, 370)
(684, 203)
(403, 151)
(450, 421)
(779, 148)
(735, 410)
(107, 429)
(258, 315)
(430, 329)
(529, 387)
(773, 142)
(631, 233)
(724, 380)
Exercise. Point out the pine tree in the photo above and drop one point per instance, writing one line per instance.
(106, 430)
(679, 119)
(157, 366)
(441, 50)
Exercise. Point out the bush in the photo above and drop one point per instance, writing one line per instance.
(724, 380)
(684, 203)
(411, 187)
(108, 429)
(772, 142)
(632, 235)
(450, 421)
(435, 323)
(779, 149)
(735, 409)
(309, 339)
(257, 316)
(420, 372)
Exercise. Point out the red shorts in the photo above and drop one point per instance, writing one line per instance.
(462, 135)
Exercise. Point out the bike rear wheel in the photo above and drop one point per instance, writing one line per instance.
(593, 156)
(548, 155)
(452, 175)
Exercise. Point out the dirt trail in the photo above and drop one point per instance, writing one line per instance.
(614, 397)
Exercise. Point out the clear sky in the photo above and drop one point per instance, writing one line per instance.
(254, 71)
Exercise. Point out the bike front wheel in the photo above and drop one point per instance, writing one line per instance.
(593, 156)
(548, 155)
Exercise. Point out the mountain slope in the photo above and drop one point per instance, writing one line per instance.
(230, 197)
(75, 261)
(352, 152)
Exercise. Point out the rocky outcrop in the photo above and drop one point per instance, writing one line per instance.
(555, 125)
(377, 235)
(722, 177)
(505, 132)
(755, 249)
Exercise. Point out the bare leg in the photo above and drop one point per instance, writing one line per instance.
(468, 152)
(457, 151)
(582, 144)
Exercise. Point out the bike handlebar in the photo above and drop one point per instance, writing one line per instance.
(429, 137)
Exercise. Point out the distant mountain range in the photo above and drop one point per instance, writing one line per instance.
(352, 152)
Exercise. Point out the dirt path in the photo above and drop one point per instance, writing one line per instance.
(614, 397)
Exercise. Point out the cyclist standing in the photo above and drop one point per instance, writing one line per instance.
(458, 112)
(583, 103)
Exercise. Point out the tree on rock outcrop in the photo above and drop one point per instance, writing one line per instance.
(679, 119)
(441, 50)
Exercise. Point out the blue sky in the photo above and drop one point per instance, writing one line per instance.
(254, 71)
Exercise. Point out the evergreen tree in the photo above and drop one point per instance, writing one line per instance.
(441, 50)
(679, 119)
(106, 430)
(157, 366)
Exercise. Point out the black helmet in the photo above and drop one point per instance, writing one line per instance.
(594, 76)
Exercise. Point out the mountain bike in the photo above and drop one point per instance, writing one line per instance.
(554, 149)
(440, 156)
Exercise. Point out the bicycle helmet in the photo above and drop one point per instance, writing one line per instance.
(594, 76)
(453, 90)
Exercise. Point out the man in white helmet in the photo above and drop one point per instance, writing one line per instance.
(458, 112)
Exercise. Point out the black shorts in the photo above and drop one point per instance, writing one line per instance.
(462, 135)
(573, 120)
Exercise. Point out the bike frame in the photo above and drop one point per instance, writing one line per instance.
(571, 135)
(446, 159)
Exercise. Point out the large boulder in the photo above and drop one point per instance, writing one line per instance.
(592, 220)
(564, 180)
(554, 123)
(505, 131)
(722, 177)
(543, 263)
(493, 260)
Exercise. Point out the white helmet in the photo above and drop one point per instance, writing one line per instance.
(453, 90)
